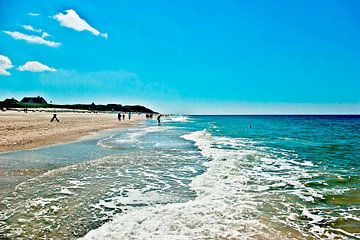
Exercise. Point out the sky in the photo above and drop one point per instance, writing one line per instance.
(190, 57)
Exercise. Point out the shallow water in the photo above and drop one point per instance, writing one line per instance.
(197, 177)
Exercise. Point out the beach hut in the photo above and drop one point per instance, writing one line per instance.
(34, 100)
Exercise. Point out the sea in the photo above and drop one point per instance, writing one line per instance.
(193, 177)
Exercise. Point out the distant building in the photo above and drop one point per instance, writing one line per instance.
(34, 100)
(11, 101)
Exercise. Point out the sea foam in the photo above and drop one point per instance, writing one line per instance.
(221, 208)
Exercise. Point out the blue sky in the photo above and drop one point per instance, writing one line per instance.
(185, 56)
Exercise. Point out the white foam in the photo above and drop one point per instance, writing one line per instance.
(228, 196)
(201, 139)
(66, 191)
(220, 210)
(314, 218)
(305, 163)
(133, 135)
(176, 119)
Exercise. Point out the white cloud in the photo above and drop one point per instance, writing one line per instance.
(30, 28)
(32, 39)
(38, 30)
(33, 14)
(35, 66)
(72, 20)
(5, 63)
(45, 34)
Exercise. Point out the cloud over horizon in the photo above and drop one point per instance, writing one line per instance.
(32, 38)
(104, 79)
(71, 19)
(35, 66)
(113, 84)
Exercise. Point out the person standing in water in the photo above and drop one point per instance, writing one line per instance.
(158, 119)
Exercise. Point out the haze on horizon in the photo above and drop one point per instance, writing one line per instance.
(191, 57)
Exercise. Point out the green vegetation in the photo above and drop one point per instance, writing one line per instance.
(39, 102)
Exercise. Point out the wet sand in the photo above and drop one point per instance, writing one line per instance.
(19, 130)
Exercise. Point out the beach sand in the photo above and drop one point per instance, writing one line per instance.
(19, 130)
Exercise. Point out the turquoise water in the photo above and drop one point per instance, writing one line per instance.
(195, 177)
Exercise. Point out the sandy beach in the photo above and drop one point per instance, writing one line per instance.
(21, 130)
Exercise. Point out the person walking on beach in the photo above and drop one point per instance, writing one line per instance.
(54, 118)
(129, 115)
(158, 119)
(119, 116)
(123, 116)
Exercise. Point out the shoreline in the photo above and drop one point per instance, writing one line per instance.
(24, 131)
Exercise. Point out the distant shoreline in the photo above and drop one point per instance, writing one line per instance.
(21, 131)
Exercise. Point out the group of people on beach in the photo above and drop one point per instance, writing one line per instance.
(123, 116)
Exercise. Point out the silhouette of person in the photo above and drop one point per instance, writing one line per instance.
(158, 119)
(119, 116)
(129, 115)
(123, 116)
(54, 118)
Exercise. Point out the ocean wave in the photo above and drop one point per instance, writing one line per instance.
(217, 211)
(131, 136)
(220, 209)
(79, 197)
(176, 119)
(230, 198)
